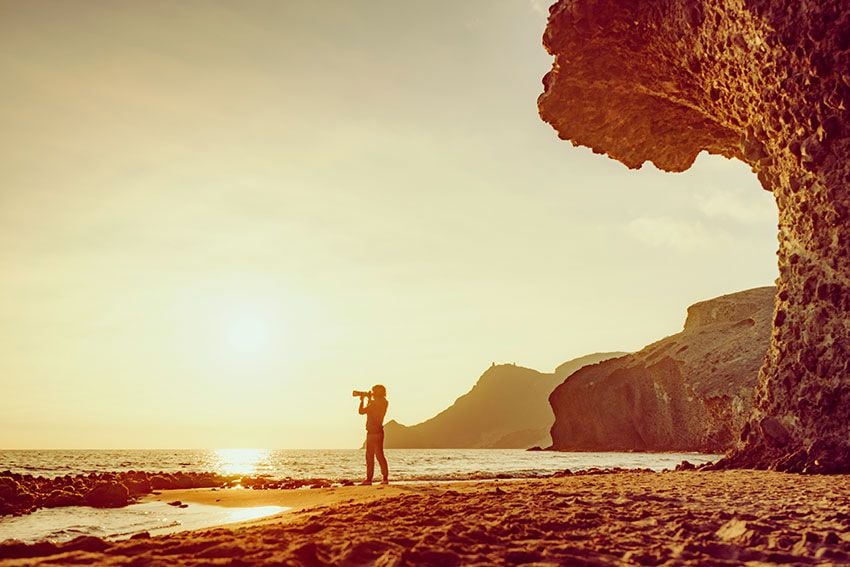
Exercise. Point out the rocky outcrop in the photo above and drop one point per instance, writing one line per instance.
(766, 82)
(108, 495)
(507, 408)
(692, 391)
(24, 493)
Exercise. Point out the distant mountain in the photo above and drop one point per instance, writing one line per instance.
(507, 408)
(692, 391)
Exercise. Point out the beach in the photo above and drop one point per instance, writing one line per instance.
(592, 518)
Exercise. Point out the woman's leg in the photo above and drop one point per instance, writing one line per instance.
(382, 460)
(370, 457)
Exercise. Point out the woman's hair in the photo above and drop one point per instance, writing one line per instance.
(379, 390)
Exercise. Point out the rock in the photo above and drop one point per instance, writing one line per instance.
(507, 408)
(535, 448)
(175, 503)
(692, 391)
(59, 498)
(161, 482)
(6, 508)
(108, 495)
(737, 531)
(9, 488)
(15, 549)
(773, 431)
(85, 543)
(138, 486)
(770, 89)
(795, 462)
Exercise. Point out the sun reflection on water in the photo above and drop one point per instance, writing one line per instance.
(240, 461)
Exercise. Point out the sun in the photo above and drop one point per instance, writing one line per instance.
(247, 336)
(242, 330)
(248, 333)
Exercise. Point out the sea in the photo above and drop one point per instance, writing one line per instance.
(406, 465)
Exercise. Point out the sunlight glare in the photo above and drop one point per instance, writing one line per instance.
(240, 461)
(247, 333)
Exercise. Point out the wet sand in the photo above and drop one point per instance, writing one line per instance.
(603, 519)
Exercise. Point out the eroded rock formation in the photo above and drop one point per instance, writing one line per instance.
(692, 391)
(766, 82)
(507, 408)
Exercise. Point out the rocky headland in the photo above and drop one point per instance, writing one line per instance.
(766, 82)
(692, 391)
(507, 408)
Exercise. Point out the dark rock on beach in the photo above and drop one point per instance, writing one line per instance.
(59, 498)
(108, 495)
(22, 494)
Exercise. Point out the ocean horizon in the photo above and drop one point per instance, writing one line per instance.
(332, 464)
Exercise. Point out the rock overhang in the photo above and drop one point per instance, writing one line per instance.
(764, 82)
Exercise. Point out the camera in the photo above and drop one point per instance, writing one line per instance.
(359, 394)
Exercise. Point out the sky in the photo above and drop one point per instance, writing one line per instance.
(217, 219)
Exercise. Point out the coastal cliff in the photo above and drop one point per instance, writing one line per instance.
(506, 408)
(692, 391)
(766, 82)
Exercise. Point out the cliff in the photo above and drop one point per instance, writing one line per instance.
(506, 408)
(692, 391)
(766, 82)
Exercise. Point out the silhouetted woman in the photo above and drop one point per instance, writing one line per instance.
(375, 411)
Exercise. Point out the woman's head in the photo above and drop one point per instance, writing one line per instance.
(379, 391)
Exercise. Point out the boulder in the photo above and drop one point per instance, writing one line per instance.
(138, 486)
(59, 498)
(108, 495)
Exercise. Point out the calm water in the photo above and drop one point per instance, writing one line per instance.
(405, 464)
(157, 518)
(62, 524)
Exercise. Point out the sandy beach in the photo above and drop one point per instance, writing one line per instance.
(584, 519)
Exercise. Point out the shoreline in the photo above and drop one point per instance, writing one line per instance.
(718, 517)
(296, 501)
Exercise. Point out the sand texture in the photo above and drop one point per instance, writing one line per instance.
(720, 517)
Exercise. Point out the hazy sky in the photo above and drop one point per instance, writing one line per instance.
(219, 218)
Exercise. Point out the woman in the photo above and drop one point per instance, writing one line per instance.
(375, 411)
